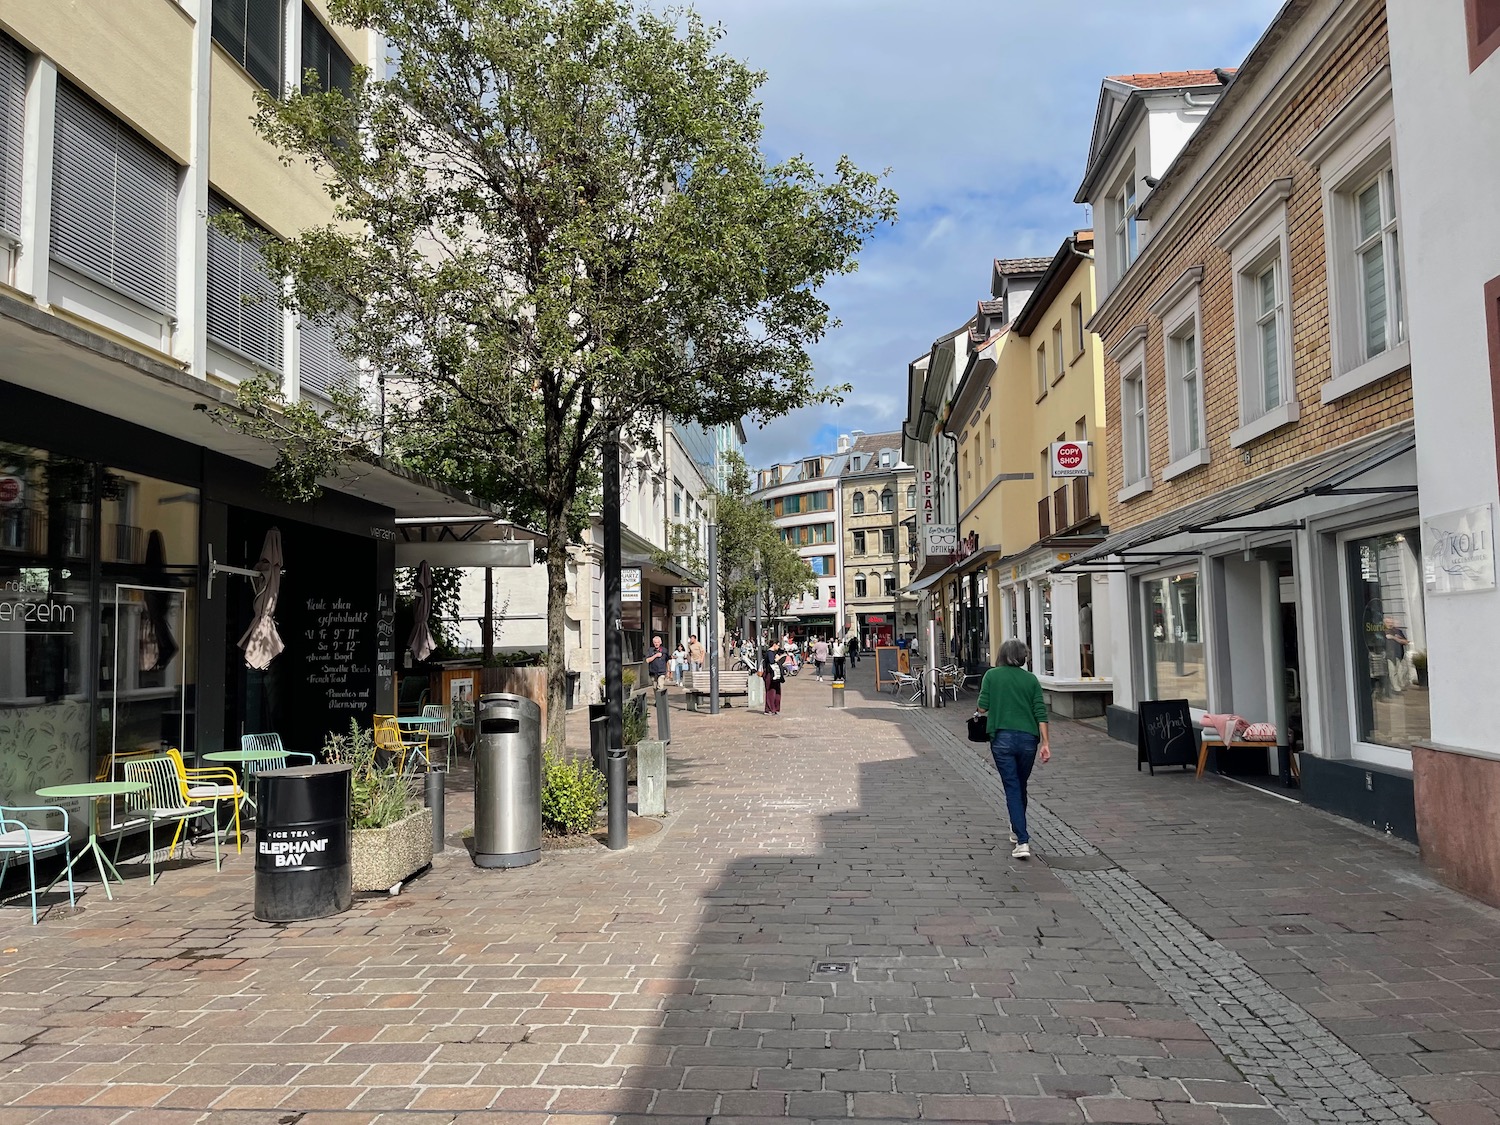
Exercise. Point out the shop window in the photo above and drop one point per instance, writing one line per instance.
(1390, 639)
(1048, 662)
(1176, 665)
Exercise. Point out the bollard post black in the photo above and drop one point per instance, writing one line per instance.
(598, 738)
(663, 718)
(434, 795)
(618, 837)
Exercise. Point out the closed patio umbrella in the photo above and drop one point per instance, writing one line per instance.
(261, 642)
(421, 644)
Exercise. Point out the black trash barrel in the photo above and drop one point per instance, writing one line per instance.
(302, 839)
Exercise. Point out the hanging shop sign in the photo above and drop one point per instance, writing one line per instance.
(682, 603)
(1458, 551)
(630, 584)
(939, 539)
(1070, 458)
(927, 492)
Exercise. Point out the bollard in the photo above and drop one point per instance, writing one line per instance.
(434, 800)
(663, 718)
(651, 778)
(618, 836)
(838, 693)
(598, 739)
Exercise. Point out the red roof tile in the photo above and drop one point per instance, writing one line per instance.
(1168, 79)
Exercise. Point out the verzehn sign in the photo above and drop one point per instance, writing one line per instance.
(1070, 458)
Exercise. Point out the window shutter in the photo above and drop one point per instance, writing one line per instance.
(13, 63)
(324, 368)
(114, 203)
(244, 312)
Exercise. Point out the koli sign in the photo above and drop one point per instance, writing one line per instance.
(1070, 458)
(1458, 551)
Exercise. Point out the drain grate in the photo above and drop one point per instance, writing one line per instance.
(833, 968)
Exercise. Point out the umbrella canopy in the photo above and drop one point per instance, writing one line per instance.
(421, 644)
(157, 645)
(261, 642)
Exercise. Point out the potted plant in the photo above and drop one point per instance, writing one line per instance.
(392, 831)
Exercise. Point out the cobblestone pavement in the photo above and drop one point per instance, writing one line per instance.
(829, 926)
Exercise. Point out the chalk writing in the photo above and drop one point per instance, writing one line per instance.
(340, 640)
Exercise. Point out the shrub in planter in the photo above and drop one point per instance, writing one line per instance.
(392, 835)
(572, 794)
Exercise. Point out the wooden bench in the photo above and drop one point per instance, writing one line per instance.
(1211, 740)
(730, 683)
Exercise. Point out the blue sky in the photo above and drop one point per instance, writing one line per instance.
(981, 109)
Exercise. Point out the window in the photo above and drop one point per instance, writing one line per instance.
(886, 460)
(1077, 319)
(890, 584)
(1382, 318)
(1041, 372)
(818, 501)
(859, 542)
(13, 68)
(1482, 18)
(887, 500)
(791, 505)
(677, 499)
(1389, 658)
(1175, 658)
(861, 588)
(114, 203)
(1122, 218)
(887, 541)
(321, 52)
(1059, 365)
(911, 491)
(1263, 287)
(857, 504)
(1133, 411)
(244, 313)
(1187, 390)
(251, 32)
(324, 369)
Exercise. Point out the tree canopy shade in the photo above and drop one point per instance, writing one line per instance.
(554, 221)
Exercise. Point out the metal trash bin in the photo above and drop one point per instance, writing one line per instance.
(302, 843)
(507, 782)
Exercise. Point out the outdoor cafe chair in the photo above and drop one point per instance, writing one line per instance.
(270, 756)
(164, 800)
(16, 836)
(390, 747)
(443, 730)
(210, 785)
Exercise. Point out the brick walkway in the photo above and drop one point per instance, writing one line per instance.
(1181, 952)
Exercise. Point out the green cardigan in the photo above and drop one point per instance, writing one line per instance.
(1012, 700)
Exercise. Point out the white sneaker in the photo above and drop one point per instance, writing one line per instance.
(1021, 851)
(1013, 839)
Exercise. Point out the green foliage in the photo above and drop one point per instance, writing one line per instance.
(633, 721)
(627, 678)
(745, 530)
(516, 660)
(447, 594)
(553, 223)
(572, 793)
(382, 795)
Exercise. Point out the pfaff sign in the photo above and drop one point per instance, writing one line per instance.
(1070, 458)
(927, 495)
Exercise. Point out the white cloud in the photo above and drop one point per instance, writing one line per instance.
(981, 109)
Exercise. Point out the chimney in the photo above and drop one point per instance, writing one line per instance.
(843, 443)
(856, 434)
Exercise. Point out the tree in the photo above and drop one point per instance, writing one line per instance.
(553, 223)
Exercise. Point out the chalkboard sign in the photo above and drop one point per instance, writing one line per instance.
(340, 654)
(1164, 734)
(887, 666)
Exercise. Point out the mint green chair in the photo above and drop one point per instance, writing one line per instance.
(16, 836)
(165, 801)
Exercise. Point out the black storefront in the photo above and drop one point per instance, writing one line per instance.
(112, 636)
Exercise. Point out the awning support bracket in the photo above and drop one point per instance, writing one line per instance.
(257, 579)
(1380, 490)
(1210, 529)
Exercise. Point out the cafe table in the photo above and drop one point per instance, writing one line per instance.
(420, 724)
(239, 758)
(91, 792)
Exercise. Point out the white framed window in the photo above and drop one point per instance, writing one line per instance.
(1355, 157)
(1135, 422)
(861, 587)
(1041, 372)
(859, 542)
(890, 583)
(1125, 237)
(1077, 319)
(1180, 310)
(1257, 245)
(1059, 363)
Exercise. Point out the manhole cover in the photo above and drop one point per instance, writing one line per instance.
(1291, 928)
(1081, 862)
(433, 931)
(834, 968)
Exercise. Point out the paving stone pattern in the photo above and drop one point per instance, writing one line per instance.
(683, 980)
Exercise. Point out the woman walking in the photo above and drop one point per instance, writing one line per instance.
(770, 671)
(1010, 698)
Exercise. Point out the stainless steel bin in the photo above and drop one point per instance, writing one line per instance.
(507, 781)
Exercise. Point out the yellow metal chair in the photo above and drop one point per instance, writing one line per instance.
(389, 745)
(210, 785)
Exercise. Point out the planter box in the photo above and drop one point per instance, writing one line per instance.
(383, 857)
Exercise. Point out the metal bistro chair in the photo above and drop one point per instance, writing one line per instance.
(911, 683)
(209, 785)
(17, 836)
(389, 746)
(443, 730)
(272, 757)
(164, 800)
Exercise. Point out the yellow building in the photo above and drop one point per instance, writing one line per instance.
(1033, 382)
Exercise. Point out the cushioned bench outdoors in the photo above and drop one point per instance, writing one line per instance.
(730, 683)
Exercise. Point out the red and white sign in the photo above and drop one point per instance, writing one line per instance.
(12, 490)
(929, 494)
(1070, 458)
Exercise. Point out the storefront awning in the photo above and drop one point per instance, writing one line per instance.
(480, 541)
(1329, 474)
(662, 572)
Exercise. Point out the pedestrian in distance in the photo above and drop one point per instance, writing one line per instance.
(838, 659)
(771, 673)
(679, 662)
(696, 654)
(656, 664)
(1010, 699)
(851, 646)
(820, 656)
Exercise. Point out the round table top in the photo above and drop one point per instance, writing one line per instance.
(421, 720)
(93, 789)
(245, 755)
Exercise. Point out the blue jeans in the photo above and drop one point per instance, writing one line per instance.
(1014, 752)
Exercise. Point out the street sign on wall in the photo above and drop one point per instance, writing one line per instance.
(1070, 458)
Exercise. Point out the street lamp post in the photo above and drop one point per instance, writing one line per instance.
(710, 503)
(614, 688)
(760, 637)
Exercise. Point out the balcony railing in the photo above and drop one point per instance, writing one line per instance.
(1043, 518)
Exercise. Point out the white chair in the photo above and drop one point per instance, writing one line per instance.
(443, 730)
(16, 836)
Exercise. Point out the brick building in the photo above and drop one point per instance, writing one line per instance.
(1264, 554)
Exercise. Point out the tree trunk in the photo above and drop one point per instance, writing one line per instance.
(487, 628)
(557, 629)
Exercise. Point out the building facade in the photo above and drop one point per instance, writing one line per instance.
(1265, 549)
(802, 498)
(877, 499)
(126, 318)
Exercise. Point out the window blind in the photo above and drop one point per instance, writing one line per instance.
(324, 368)
(114, 203)
(320, 52)
(244, 312)
(250, 30)
(13, 63)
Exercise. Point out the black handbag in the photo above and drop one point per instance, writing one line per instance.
(979, 728)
